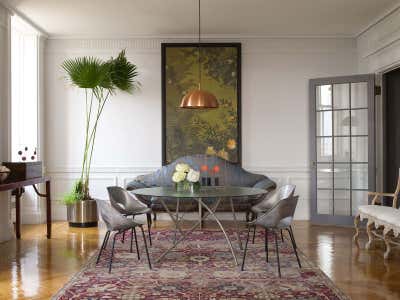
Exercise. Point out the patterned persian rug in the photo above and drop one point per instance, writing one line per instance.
(201, 268)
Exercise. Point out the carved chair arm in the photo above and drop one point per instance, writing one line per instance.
(378, 196)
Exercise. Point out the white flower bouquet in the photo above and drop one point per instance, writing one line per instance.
(186, 178)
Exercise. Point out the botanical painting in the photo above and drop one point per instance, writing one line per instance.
(201, 131)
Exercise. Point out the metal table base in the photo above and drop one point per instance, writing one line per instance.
(209, 212)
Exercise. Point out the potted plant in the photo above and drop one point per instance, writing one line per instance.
(100, 80)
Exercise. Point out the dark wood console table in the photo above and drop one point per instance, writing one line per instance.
(17, 188)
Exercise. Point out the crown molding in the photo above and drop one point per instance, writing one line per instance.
(380, 18)
(147, 46)
(194, 37)
(14, 11)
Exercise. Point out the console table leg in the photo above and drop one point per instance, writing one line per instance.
(48, 209)
(18, 213)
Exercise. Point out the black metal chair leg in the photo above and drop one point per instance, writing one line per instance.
(245, 247)
(277, 253)
(131, 240)
(149, 227)
(266, 244)
(155, 216)
(123, 237)
(137, 247)
(102, 246)
(145, 247)
(254, 234)
(112, 253)
(282, 236)
(106, 241)
(291, 231)
(294, 245)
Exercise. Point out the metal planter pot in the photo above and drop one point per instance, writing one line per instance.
(82, 214)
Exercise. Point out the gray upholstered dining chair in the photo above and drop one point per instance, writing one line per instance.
(117, 223)
(279, 217)
(128, 205)
(267, 203)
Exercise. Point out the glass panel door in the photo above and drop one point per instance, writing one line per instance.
(342, 145)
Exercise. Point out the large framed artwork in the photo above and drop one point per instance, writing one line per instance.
(201, 131)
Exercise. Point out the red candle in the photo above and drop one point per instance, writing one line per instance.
(204, 168)
(216, 169)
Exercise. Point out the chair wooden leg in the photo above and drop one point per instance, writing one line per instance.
(266, 244)
(112, 253)
(145, 247)
(356, 223)
(386, 238)
(102, 246)
(370, 227)
(245, 247)
(282, 236)
(294, 245)
(149, 228)
(136, 242)
(277, 253)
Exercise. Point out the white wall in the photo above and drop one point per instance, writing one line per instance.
(275, 111)
(5, 225)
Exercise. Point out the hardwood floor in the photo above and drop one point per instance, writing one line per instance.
(35, 268)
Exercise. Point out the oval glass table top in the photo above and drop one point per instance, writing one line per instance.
(204, 192)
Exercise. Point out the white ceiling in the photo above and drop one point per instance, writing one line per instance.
(123, 18)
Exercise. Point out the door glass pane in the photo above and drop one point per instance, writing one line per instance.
(325, 202)
(359, 122)
(325, 176)
(324, 97)
(358, 198)
(324, 123)
(359, 95)
(342, 176)
(342, 203)
(359, 149)
(341, 97)
(341, 122)
(324, 149)
(342, 149)
(359, 176)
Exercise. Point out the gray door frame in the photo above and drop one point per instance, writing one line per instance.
(370, 79)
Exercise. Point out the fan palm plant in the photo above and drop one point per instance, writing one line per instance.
(100, 80)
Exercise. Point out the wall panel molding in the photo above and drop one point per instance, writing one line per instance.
(249, 45)
(102, 176)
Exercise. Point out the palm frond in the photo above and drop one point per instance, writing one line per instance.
(124, 73)
(86, 72)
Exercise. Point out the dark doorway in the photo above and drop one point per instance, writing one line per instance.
(391, 130)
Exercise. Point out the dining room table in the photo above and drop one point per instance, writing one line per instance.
(209, 198)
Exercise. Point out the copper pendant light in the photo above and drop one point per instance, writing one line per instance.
(199, 99)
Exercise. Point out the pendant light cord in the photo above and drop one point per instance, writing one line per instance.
(199, 48)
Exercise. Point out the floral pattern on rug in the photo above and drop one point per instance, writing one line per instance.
(201, 267)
